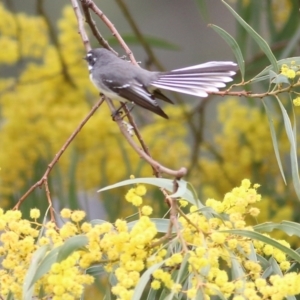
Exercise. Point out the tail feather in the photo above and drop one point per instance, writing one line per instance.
(212, 66)
(192, 83)
(190, 91)
(197, 80)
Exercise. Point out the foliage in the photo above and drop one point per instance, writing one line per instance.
(195, 251)
(214, 253)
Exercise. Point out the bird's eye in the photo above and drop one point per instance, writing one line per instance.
(90, 59)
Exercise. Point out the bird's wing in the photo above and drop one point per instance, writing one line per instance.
(137, 93)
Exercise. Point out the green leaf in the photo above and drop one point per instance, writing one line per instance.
(258, 236)
(211, 213)
(259, 40)
(276, 270)
(167, 184)
(107, 292)
(275, 267)
(267, 272)
(264, 74)
(291, 24)
(278, 78)
(95, 270)
(203, 9)
(45, 265)
(234, 47)
(113, 279)
(292, 44)
(182, 270)
(153, 41)
(98, 222)
(290, 228)
(72, 244)
(162, 225)
(263, 262)
(152, 294)
(140, 287)
(293, 150)
(29, 281)
(274, 138)
(192, 197)
(252, 255)
(43, 228)
(291, 298)
(237, 270)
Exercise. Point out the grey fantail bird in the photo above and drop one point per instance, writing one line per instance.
(119, 79)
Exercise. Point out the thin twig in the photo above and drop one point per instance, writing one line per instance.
(187, 219)
(89, 20)
(157, 166)
(110, 25)
(139, 35)
(58, 155)
(139, 137)
(167, 236)
(52, 217)
(174, 220)
(81, 30)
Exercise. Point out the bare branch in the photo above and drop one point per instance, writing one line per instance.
(110, 25)
(81, 29)
(151, 56)
(94, 29)
(44, 179)
(157, 166)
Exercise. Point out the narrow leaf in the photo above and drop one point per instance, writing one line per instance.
(290, 228)
(37, 257)
(152, 294)
(264, 74)
(72, 244)
(45, 265)
(263, 262)
(275, 267)
(140, 287)
(293, 150)
(274, 138)
(162, 225)
(167, 184)
(96, 270)
(10, 296)
(182, 270)
(237, 270)
(292, 44)
(258, 236)
(234, 47)
(259, 40)
(203, 9)
(98, 222)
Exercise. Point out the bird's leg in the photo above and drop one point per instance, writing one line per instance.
(120, 113)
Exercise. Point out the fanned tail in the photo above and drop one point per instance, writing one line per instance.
(197, 80)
